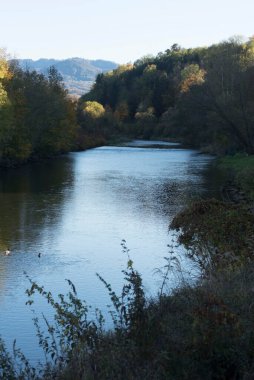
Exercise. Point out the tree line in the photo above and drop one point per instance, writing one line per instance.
(37, 118)
(202, 96)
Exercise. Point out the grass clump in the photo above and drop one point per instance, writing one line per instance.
(241, 169)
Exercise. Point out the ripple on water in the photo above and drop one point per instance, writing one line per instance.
(75, 211)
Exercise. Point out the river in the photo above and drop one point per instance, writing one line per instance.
(75, 210)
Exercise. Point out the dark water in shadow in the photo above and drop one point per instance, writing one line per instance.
(76, 210)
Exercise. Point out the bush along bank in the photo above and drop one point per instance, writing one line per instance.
(240, 185)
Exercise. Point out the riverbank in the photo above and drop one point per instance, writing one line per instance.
(240, 169)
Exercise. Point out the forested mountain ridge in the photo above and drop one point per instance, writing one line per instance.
(78, 74)
(202, 96)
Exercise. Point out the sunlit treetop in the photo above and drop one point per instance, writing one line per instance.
(4, 67)
(93, 109)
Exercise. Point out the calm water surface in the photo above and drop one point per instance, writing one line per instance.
(75, 211)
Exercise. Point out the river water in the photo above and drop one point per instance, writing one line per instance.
(75, 211)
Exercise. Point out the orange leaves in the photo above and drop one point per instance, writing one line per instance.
(191, 75)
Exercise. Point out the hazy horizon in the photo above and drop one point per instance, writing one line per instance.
(64, 59)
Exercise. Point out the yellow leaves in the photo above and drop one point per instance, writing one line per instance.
(4, 74)
(191, 75)
(3, 96)
(247, 56)
(4, 67)
(94, 110)
(119, 70)
(122, 69)
(150, 69)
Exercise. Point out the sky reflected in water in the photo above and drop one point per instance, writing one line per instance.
(75, 211)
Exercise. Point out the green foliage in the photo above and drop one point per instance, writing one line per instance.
(128, 315)
(72, 345)
(97, 123)
(7, 370)
(241, 170)
(217, 234)
(208, 90)
(37, 117)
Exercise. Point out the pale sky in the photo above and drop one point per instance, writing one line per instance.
(118, 30)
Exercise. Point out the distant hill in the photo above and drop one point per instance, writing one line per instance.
(78, 74)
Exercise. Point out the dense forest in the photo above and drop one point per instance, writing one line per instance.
(202, 96)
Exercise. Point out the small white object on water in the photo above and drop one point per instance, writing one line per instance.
(7, 252)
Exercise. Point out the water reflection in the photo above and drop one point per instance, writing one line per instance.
(76, 210)
(31, 201)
